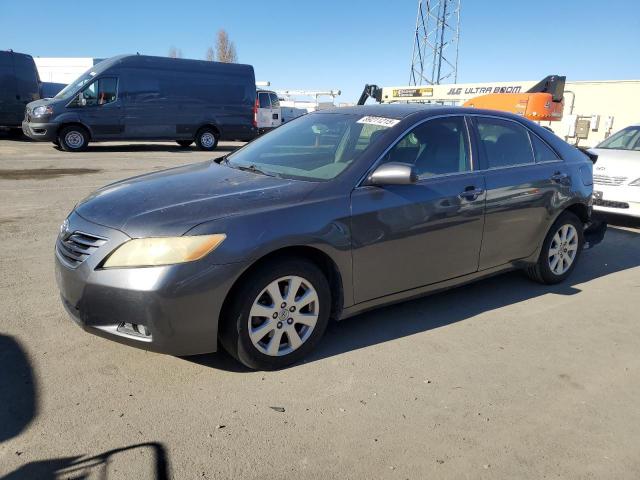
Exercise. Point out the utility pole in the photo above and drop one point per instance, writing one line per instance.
(435, 42)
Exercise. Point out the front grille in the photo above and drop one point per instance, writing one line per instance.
(610, 204)
(76, 248)
(607, 180)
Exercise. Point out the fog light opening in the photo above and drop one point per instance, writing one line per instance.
(135, 329)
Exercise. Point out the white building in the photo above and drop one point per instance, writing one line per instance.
(62, 70)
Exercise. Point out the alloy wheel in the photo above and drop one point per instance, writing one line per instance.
(563, 249)
(283, 316)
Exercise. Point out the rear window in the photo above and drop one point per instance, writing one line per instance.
(275, 102)
(505, 143)
(541, 150)
(264, 100)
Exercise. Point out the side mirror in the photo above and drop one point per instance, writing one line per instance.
(81, 100)
(393, 173)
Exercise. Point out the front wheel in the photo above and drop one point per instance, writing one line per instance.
(278, 314)
(560, 250)
(73, 138)
(207, 139)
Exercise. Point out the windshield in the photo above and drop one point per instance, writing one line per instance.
(626, 139)
(73, 88)
(316, 147)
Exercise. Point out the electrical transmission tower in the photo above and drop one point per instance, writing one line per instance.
(435, 43)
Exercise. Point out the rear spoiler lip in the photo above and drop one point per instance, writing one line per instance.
(592, 156)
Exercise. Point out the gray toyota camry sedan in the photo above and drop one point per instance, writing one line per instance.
(329, 215)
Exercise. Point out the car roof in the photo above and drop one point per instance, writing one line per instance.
(403, 110)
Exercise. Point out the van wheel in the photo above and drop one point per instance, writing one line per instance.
(73, 138)
(560, 251)
(207, 139)
(184, 143)
(278, 315)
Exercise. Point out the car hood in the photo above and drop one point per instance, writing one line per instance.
(171, 202)
(617, 163)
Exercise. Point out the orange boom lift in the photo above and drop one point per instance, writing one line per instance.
(542, 102)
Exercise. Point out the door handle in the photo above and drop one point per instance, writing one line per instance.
(471, 193)
(559, 177)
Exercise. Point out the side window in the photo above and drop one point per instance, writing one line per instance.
(435, 147)
(264, 100)
(541, 150)
(100, 92)
(505, 143)
(275, 103)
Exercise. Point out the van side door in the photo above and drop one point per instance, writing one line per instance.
(522, 193)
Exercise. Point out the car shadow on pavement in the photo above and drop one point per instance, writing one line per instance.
(97, 466)
(18, 400)
(458, 304)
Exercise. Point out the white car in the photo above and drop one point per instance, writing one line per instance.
(616, 174)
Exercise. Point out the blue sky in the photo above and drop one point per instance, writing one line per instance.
(341, 44)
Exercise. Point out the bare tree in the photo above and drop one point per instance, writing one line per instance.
(225, 49)
(175, 52)
(211, 54)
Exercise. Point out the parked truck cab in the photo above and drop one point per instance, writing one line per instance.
(138, 97)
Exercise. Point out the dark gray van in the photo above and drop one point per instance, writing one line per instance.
(138, 97)
(19, 85)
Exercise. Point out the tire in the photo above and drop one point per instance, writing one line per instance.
(73, 138)
(554, 268)
(207, 139)
(253, 297)
(184, 143)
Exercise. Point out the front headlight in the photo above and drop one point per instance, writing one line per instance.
(151, 252)
(42, 110)
(635, 183)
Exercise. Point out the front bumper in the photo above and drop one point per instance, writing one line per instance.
(622, 200)
(179, 305)
(46, 132)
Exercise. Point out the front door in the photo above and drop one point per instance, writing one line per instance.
(408, 236)
(101, 109)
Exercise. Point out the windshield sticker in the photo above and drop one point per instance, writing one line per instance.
(381, 121)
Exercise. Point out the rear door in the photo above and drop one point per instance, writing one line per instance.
(521, 192)
(265, 116)
(8, 91)
(27, 82)
(276, 113)
(408, 236)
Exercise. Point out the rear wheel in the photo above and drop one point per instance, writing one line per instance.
(184, 143)
(278, 314)
(560, 250)
(207, 139)
(73, 138)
